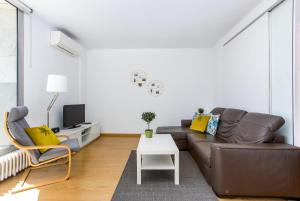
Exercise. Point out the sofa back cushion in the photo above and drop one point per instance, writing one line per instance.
(217, 110)
(228, 126)
(258, 128)
(239, 126)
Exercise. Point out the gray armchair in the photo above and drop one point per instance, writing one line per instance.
(14, 125)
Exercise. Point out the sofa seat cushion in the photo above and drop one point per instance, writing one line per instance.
(200, 144)
(202, 151)
(178, 133)
(175, 130)
(199, 137)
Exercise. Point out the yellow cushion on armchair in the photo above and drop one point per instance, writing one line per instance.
(200, 123)
(42, 135)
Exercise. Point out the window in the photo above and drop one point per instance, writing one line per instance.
(11, 62)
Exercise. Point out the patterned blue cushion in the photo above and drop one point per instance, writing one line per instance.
(213, 124)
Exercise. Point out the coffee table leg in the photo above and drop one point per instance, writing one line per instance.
(139, 171)
(176, 161)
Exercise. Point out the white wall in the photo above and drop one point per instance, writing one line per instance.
(233, 93)
(243, 74)
(218, 52)
(265, 5)
(101, 78)
(47, 60)
(117, 104)
(244, 77)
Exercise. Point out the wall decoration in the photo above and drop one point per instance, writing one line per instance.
(155, 88)
(139, 78)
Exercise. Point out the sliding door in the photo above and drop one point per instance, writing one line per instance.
(257, 68)
(9, 52)
(246, 68)
(297, 74)
(281, 65)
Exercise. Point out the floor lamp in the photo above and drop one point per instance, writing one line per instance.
(55, 84)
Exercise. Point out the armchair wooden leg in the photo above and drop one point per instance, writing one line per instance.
(27, 171)
(38, 185)
(24, 176)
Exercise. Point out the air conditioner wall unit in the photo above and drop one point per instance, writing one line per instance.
(64, 43)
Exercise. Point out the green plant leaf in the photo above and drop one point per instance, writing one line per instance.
(148, 117)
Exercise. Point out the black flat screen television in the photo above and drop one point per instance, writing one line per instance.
(73, 115)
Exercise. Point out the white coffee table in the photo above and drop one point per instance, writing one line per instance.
(156, 154)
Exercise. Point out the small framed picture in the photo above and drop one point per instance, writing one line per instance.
(155, 88)
(138, 78)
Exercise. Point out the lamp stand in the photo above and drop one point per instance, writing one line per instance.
(50, 106)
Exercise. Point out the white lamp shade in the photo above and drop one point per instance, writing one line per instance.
(57, 83)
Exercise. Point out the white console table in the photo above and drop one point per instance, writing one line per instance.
(85, 134)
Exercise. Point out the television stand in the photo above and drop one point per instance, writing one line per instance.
(85, 133)
(75, 126)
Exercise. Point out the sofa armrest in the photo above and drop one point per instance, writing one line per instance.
(186, 122)
(255, 170)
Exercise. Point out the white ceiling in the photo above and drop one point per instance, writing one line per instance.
(144, 23)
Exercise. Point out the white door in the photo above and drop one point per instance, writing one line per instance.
(281, 66)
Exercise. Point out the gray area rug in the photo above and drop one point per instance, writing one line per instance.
(159, 185)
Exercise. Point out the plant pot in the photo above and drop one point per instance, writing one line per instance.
(148, 133)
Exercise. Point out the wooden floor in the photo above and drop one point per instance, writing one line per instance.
(96, 171)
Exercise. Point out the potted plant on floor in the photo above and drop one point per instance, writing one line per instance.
(148, 117)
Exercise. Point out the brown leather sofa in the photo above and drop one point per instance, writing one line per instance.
(246, 157)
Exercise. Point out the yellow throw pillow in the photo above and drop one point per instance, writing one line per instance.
(42, 135)
(200, 123)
